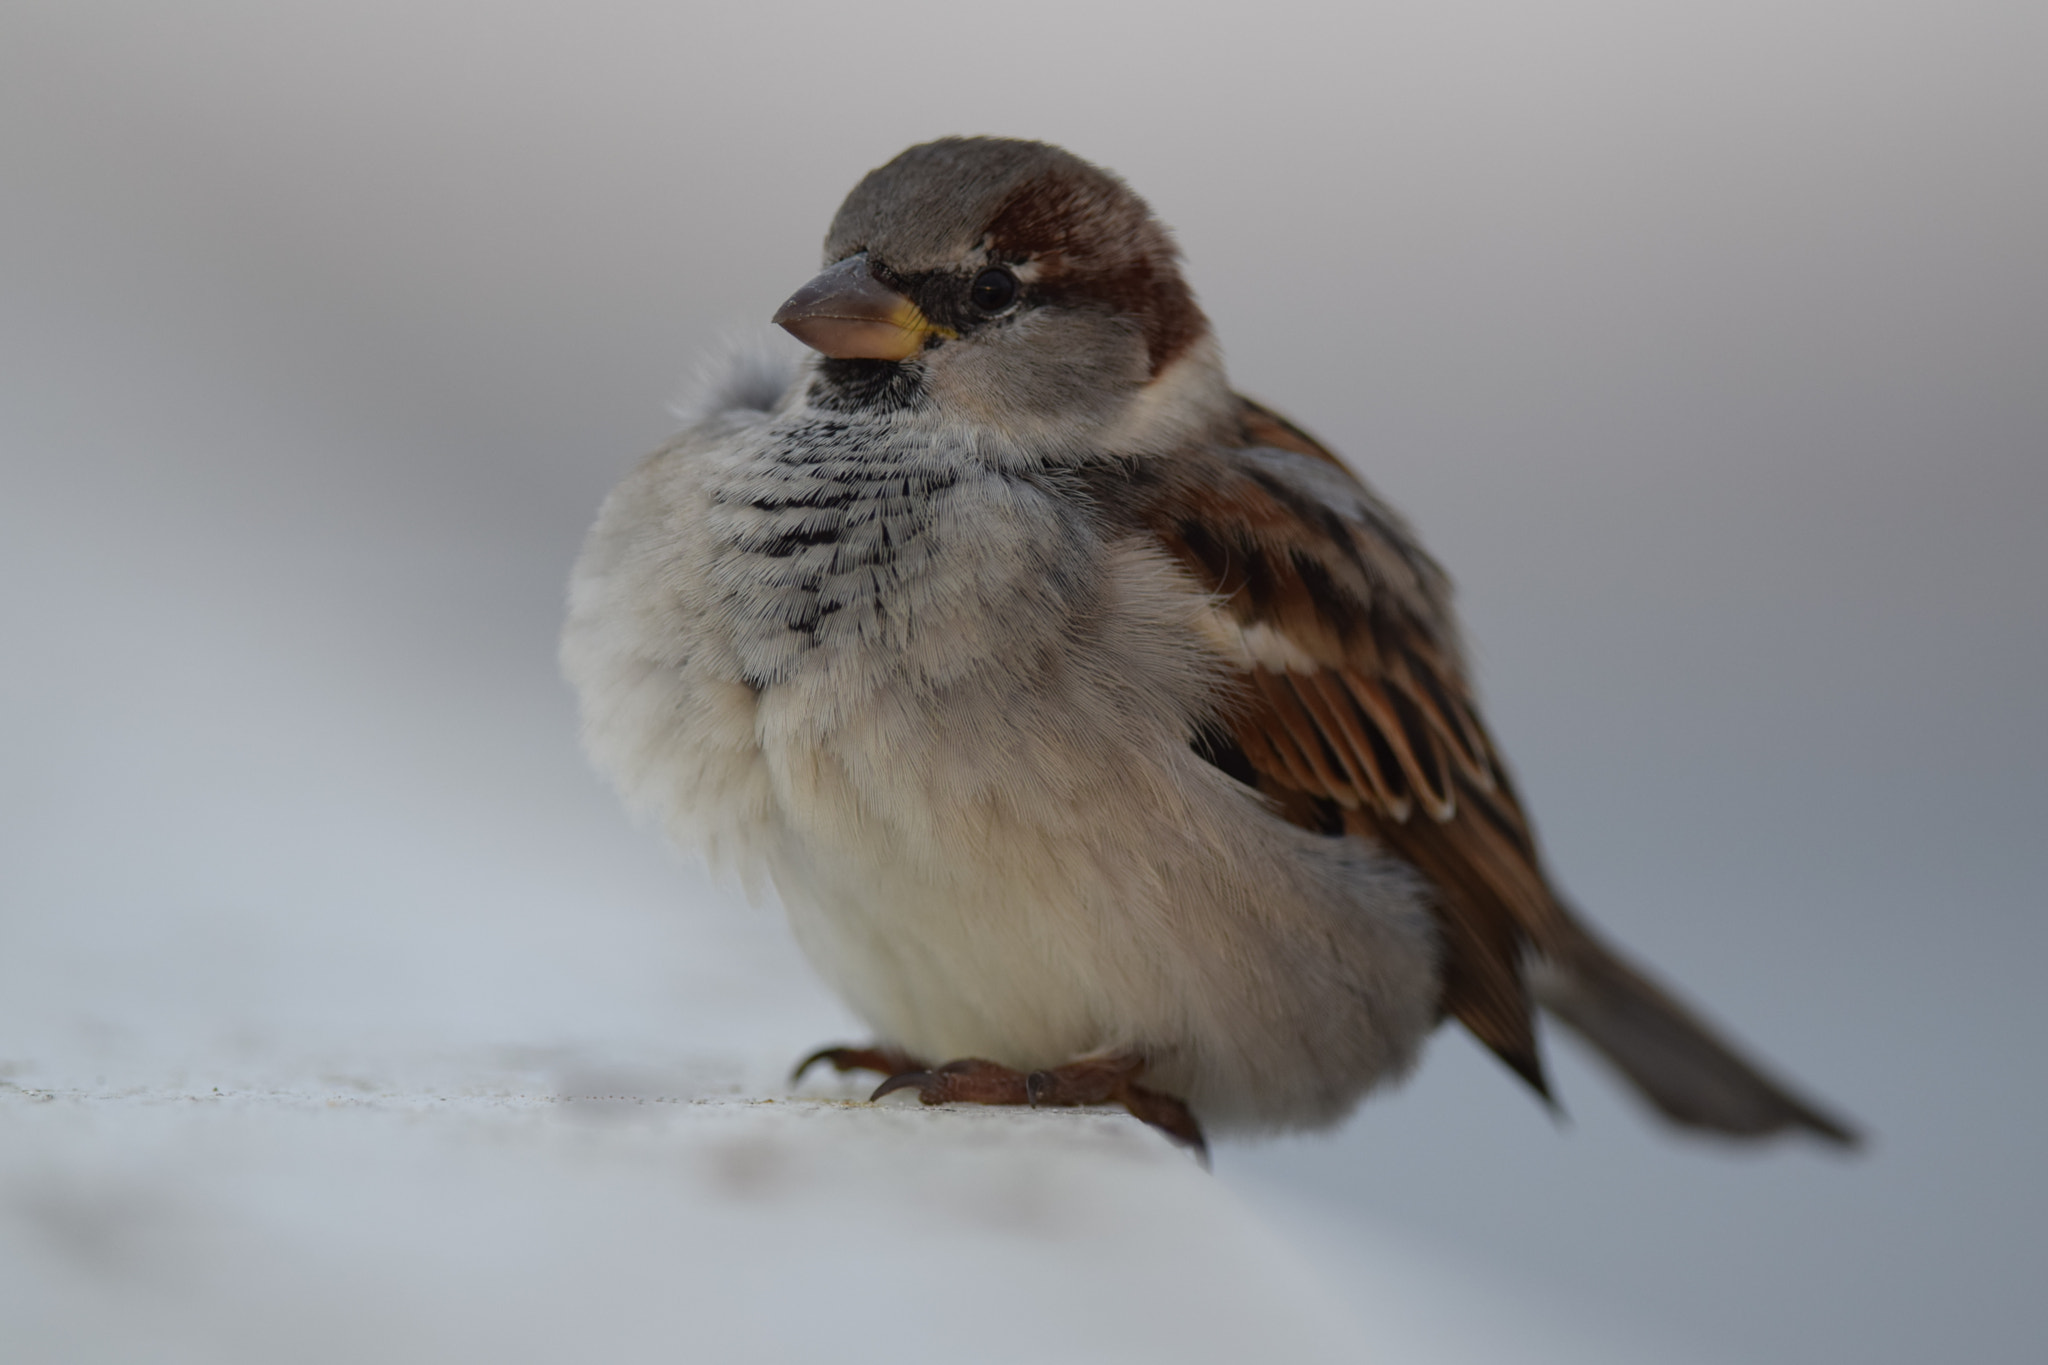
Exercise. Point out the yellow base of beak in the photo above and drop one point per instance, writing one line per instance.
(847, 314)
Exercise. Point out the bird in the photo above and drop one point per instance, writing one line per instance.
(1105, 737)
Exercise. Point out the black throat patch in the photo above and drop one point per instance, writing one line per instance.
(867, 386)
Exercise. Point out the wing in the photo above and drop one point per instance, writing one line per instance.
(1357, 719)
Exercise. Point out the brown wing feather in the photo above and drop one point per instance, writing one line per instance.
(1358, 719)
(1380, 722)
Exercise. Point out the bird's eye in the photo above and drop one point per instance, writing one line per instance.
(994, 289)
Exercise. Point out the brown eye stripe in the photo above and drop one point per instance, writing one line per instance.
(1093, 242)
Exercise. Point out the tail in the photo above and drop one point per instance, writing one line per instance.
(1673, 1058)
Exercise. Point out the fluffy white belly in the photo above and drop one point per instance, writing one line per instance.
(995, 914)
(1031, 902)
(1029, 972)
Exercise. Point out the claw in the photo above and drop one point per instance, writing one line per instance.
(1169, 1115)
(904, 1080)
(1037, 1086)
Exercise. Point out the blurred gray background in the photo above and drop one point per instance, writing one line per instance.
(1706, 344)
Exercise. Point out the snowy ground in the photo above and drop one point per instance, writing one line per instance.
(541, 1211)
(345, 1222)
(1704, 345)
(537, 1208)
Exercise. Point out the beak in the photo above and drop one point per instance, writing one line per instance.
(848, 314)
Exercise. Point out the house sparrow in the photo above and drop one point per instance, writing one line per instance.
(1105, 737)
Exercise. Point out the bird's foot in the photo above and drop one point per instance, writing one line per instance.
(1110, 1079)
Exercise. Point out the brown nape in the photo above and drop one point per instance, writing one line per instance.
(1095, 242)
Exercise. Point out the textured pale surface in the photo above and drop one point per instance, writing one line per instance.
(1703, 343)
(534, 1208)
(337, 1223)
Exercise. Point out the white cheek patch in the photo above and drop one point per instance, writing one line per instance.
(1189, 396)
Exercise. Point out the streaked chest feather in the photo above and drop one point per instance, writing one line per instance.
(872, 557)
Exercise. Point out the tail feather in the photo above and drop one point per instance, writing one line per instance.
(1678, 1063)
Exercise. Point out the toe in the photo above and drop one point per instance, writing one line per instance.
(971, 1080)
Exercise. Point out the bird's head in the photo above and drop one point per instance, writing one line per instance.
(1013, 287)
